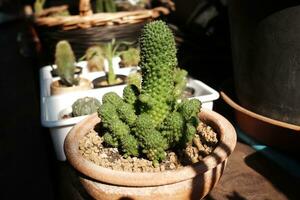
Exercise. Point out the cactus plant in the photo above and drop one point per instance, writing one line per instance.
(149, 121)
(110, 50)
(95, 58)
(130, 57)
(106, 6)
(65, 62)
(85, 106)
(39, 6)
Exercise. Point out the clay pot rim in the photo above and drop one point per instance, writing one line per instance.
(227, 142)
(254, 115)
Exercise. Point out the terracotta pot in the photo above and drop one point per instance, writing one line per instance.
(275, 133)
(56, 88)
(100, 81)
(190, 182)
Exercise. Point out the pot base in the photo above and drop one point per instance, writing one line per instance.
(195, 188)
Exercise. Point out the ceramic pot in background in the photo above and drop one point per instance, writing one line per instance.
(265, 37)
(274, 133)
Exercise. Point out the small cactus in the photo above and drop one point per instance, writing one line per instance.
(105, 6)
(130, 57)
(65, 62)
(95, 58)
(39, 6)
(85, 106)
(110, 51)
(148, 121)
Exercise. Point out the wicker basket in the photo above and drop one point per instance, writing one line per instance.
(88, 29)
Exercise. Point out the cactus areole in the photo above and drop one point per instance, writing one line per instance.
(150, 120)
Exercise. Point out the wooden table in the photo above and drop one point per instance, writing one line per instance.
(248, 175)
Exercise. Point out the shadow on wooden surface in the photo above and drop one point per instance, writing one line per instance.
(249, 175)
(281, 180)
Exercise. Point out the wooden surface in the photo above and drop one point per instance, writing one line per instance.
(248, 175)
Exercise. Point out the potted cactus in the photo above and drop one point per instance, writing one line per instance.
(150, 144)
(95, 58)
(82, 106)
(110, 51)
(65, 68)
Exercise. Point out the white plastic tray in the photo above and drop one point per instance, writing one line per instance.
(52, 106)
(203, 92)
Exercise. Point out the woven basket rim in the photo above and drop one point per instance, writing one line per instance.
(97, 19)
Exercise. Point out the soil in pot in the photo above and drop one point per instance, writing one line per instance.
(57, 88)
(92, 148)
(102, 81)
